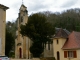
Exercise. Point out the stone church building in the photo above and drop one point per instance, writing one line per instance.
(23, 43)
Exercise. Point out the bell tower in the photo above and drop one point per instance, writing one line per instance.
(23, 15)
(22, 43)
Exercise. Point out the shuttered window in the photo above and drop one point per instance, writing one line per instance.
(65, 54)
(70, 54)
(74, 53)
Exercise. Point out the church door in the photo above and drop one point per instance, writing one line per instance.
(20, 53)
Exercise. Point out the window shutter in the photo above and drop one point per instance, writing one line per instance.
(74, 54)
(65, 54)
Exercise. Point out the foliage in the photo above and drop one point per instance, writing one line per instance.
(38, 30)
(69, 19)
(11, 30)
(36, 49)
(9, 43)
(12, 27)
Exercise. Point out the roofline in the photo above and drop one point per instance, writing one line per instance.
(60, 37)
(3, 7)
(69, 48)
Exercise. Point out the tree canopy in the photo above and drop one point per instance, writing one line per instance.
(69, 19)
(9, 43)
(11, 28)
(38, 30)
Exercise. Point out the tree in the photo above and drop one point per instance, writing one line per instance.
(39, 31)
(36, 49)
(9, 43)
(12, 27)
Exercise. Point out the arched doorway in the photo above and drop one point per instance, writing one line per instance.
(20, 53)
(58, 55)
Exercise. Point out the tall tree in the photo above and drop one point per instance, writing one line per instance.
(39, 31)
(9, 43)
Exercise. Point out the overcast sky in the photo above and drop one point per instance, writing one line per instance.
(37, 6)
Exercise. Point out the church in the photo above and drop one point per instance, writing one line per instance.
(23, 43)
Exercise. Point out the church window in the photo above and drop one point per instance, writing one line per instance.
(21, 19)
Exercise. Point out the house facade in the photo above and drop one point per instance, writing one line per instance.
(66, 46)
(2, 28)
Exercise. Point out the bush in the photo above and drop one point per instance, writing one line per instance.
(36, 49)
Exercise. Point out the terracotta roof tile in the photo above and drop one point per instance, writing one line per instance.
(73, 41)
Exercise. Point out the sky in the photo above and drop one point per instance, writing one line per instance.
(34, 6)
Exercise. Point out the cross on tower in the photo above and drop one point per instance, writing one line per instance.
(22, 1)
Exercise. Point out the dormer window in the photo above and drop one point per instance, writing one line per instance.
(57, 41)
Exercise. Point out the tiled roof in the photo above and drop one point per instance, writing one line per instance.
(73, 41)
(61, 33)
(57, 29)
